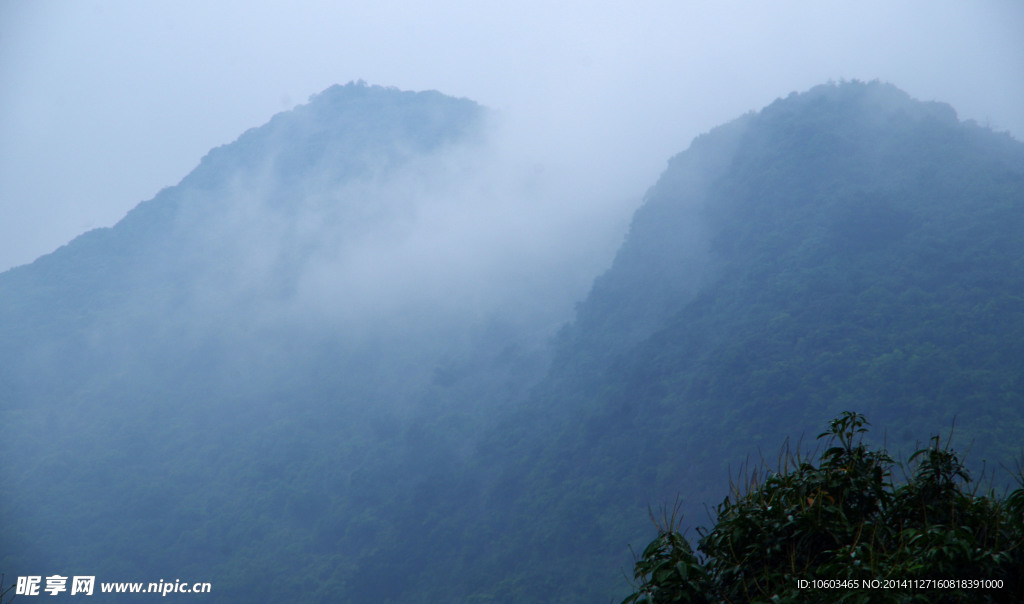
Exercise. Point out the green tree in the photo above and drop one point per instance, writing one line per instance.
(843, 530)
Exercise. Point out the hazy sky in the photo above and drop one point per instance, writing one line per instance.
(103, 103)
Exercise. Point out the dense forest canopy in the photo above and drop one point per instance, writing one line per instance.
(287, 376)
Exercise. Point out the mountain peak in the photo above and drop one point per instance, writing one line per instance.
(848, 162)
(353, 127)
(874, 97)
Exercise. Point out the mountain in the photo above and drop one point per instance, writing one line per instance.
(844, 248)
(300, 376)
(232, 382)
(250, 227)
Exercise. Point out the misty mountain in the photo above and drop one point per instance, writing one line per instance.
(339, 360)
(249, 227)
(320, 317)
(844, 248)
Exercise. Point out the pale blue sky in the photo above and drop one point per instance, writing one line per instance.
(105, 102)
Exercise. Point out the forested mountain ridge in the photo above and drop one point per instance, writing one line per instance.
(841, 209)
(844, 248)
(242, 225)
(226, 384)
(191, 393)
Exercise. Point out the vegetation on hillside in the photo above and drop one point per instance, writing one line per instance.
(861, 251)
(844, 529)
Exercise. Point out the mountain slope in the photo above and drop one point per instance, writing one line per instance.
(237, 379)
(243, 226)
(844, 248)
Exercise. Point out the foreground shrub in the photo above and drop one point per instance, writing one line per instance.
(841, 530)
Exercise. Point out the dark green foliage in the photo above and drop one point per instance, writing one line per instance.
(843, 518)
